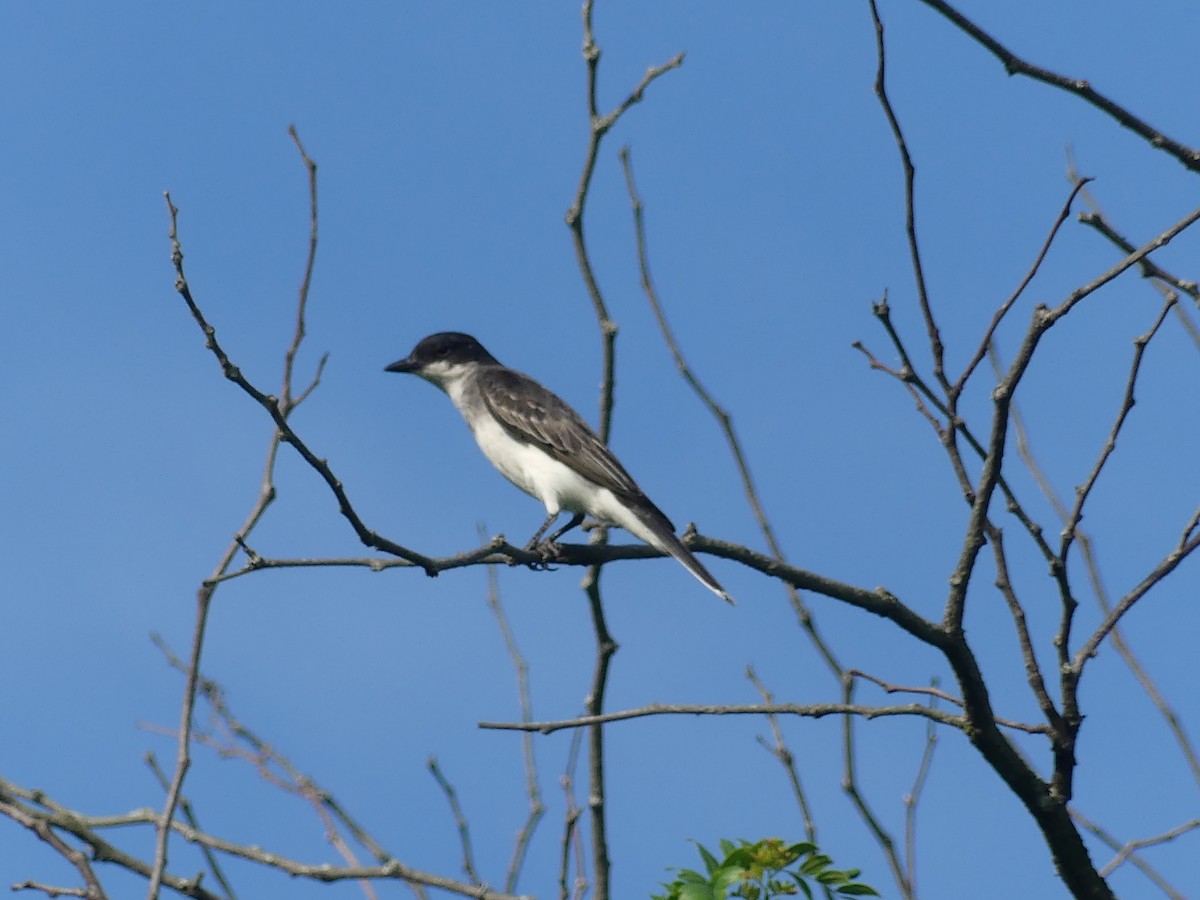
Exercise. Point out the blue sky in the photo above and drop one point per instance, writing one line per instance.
(449, 139)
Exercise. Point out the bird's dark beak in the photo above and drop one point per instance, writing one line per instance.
(402, 365)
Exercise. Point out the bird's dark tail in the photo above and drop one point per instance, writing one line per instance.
(656, 530)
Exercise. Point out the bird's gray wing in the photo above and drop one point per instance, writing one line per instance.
(533, 415)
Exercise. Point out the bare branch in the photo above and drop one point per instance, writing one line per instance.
(850, 786)
(1070, 673)
(1115, 845)
(1162, 280)
(1142, 844)
(918, 388)
(1133, 259)
(53, 815)
(86, 829)
(779, 750)
(605, 645)
(905, 375)
(1014, 65)
(273, 408)
(266, 759)
(1092, 565)
(600, 125)
(289, 359)
(1188, 543)
(1000, 313)
(189, 816)
(183, 758)
(1127, 401)
(1043, 320)
(78, 859)
(1148, 267)
(914, 797)
(1033, 671)
(536, 808)
(724, 419)
(52, 891)
(593, 705)
(939, 694)
(460, 821)
(910, 218)
(807, 710)
(571, 837)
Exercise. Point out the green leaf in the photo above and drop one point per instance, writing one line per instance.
(728, 876)
(858, 890)
(710, 861)
(832, 876)
(741, 856)
(762, 870)
(818, 862)
(697, 892)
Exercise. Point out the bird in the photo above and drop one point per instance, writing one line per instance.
(543, 446)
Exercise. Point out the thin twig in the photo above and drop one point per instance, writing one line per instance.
(913, 798)
(910, 217)
(1014, 65)
(724, 419)
(919, 388)
(1000, 313)
(599, 126)
(850, 786)
(1033, 670)
(1092, 565)
(78, 859)
(779, 750)
(263, 756)
(86, 829)
(460, 821)
(52, 891)
(807, 710)
(593, 705)
(1162, 280)
(1081, 495)
(277, 413)
(1129, 848)
(1044, 319)
(189, 816)
(1115, 845)
(1065, 759)
(183, 758)
(265, 498)
(571, 840)
(939, 694)
(532, 788)
(53, 815)
(289, 358)
(1165, 567)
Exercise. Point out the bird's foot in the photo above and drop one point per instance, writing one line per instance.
(548, 553)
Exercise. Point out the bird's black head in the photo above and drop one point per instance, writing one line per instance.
(443, 355)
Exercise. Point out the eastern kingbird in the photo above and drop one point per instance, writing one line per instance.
(543, 446)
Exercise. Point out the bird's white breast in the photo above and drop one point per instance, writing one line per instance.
(558, 486)
(530, 469)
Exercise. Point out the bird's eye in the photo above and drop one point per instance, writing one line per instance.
(443, 351)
